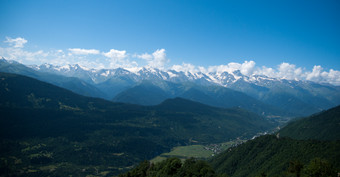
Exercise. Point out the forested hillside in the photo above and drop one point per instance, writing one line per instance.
(321, 126)
(45, 129)
(272, 156)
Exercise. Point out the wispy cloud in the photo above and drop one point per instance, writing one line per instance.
(17, 42)
(16, 52)
(78, 51)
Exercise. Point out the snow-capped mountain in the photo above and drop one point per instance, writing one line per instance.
(225, 79)
(282, 93)
(222, 89)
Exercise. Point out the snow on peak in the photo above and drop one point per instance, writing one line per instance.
(134, 70)
(222, 76)
(106, 73)
(171, 74)
(65, 67)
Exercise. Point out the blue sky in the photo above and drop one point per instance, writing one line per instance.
(303, 33)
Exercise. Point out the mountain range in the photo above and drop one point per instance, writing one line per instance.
(266, 96)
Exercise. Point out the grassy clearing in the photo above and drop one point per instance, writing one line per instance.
(185, 152)
(197, 151)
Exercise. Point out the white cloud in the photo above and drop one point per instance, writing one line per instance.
(17, 42)
(78, 51)
(21, 55)
(185, 67)
(247, 68)
(157, 59)
(118, 58)
(144, 56)
(318, 75)
(289, 71)
(270, 72)
(315, 75)
(116, 54)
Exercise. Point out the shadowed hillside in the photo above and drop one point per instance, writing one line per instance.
(44, 126)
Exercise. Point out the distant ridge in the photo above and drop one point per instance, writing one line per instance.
(321, 126)
(180, 104)
(74, 84)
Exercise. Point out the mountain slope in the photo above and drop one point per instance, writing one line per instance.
(299, 97)
(147, 93)
(43, 125)
(322, 126)
(71, 83)
(142, 94)
(271, 156)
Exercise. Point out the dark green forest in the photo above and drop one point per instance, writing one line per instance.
(49, 131)
(314, 152)
(306, 142)
(173, 167)
(321, 126)
(46, 130)
(272, 156)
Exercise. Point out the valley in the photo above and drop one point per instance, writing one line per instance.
(44, 125)
(46, 129)
(197, 151)
(169, 88)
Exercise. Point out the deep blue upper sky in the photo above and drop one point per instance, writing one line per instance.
(304, 32)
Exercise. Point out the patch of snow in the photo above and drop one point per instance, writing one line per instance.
(84, 68)
(134, 70)
(66, 67)
(106, 73)
(171, 74)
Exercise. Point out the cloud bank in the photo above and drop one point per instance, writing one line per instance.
(14, 49)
